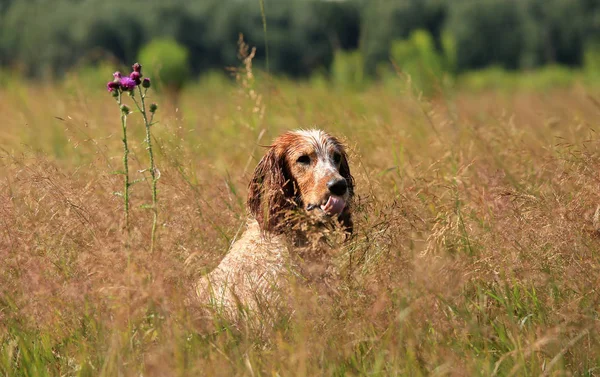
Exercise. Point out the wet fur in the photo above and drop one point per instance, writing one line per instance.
(273, 192)
(258, 265)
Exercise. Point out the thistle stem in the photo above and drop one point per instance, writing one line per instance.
(125, 168)
(142, 108)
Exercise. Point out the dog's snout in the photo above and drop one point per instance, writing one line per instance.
(337, 186)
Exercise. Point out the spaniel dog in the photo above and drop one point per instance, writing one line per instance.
(301, 191)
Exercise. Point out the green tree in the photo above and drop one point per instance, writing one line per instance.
(488, 32)
(561, 30)
(384, 21)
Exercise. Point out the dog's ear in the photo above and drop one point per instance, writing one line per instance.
(346, 217)
(270, 193)
(345, 172)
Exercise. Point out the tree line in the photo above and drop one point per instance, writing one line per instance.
(50, 37)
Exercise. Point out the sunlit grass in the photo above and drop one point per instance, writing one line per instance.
(475, 251)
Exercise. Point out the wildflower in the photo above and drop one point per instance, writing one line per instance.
(153, 107)
(117, 76)
(127, 84)
(112, 86)
(136, 76)
(137, 67)
(146, 83)
(125, 109)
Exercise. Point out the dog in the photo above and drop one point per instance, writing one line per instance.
(301, 189)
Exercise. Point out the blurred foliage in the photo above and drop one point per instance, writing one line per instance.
(418, 58)
(347, 70)
(592, 60)
(488, 32)
(89, 78)
(384, 21)
(498, 78)
(303, 36)
(166, 61)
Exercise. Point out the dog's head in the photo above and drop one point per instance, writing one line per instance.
(302, 170)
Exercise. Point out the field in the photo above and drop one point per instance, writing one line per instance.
(476, 249)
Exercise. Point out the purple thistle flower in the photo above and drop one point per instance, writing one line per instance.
(137, 67)
(136, 76)
(127, 83)
(146, 83)
(117, 75)
(112, 86)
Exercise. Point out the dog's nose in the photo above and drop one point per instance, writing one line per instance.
(337, 186)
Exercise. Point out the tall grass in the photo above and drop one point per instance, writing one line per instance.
(475, 250)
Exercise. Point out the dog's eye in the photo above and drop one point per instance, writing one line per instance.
(337, 158)
(304, 160)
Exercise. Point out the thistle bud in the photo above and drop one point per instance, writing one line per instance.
(137, 67)
(136, 76)
(146, 83)
(124, 109)
(153, 107)
(112, 86)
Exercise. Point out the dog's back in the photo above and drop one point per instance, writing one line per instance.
(254, 270)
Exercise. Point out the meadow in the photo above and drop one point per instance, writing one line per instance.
(476, 247)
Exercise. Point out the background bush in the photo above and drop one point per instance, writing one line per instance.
(167, 61)
(348, 69)
(418, 58)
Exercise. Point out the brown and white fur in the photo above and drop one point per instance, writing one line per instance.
(301, 186)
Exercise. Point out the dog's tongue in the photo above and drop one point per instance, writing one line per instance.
(334, 205)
